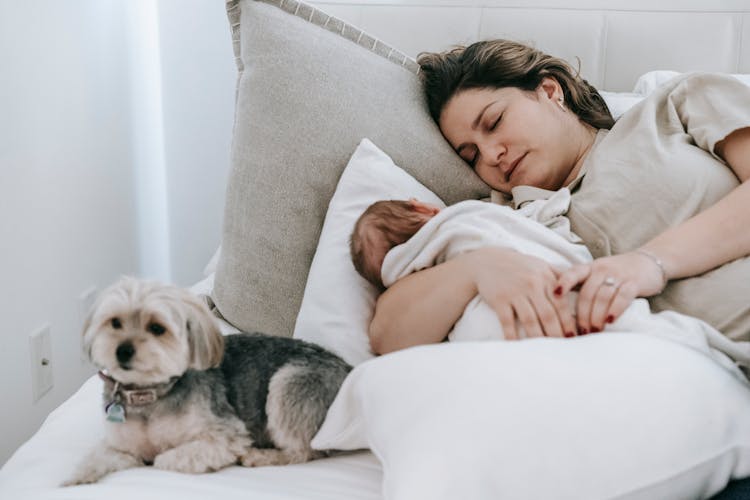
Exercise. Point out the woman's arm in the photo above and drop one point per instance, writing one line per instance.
(423, 307)
(720, 233)
(735, 151)
(709, 239)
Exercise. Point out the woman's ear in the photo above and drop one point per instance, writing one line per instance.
(550, 88)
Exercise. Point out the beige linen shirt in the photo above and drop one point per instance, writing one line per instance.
(656, 168)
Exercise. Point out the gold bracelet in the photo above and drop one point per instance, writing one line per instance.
(656, 260)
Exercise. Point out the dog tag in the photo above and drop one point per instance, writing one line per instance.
(115, 412)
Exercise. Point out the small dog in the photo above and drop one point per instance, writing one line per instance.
(180, 396)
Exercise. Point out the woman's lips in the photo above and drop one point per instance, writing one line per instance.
(515, 165)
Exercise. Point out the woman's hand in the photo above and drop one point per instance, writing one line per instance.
(609, 286)
(520, 286)
(423, 307)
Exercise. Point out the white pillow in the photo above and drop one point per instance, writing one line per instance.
(619, 102)
(338, 303)
(648, 82)
(598, 417)
(212, 263)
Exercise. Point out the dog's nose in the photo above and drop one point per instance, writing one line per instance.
(125, 352)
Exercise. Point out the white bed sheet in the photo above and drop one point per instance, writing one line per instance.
(76, 426)
(71, 430)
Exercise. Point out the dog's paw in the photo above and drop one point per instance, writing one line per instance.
(260, 458)
(100, 462)
(180, 462)
(78, 480)
(256, 457)
(87, 475)
(195, 458)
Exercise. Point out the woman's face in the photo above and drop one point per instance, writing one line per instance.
(512, 137)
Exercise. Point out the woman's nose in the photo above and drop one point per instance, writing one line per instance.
(492, 153)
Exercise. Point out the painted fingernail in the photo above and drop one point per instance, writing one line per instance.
(583, 331)
(558, 291)
(569, 334)
(610, 319)
(595, 329)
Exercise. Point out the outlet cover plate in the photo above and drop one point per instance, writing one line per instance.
(40, 345)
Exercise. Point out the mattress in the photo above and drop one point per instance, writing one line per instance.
(75, 427)
(49, 457)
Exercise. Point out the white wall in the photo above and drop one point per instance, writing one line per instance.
(198, 82)
(66, 187)
(115, 127)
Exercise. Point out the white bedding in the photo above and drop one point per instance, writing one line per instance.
(70, 431)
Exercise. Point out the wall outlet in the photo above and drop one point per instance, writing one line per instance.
(41, 362)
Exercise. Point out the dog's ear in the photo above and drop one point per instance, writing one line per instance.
(88, 331)
(204, 337)
(87, 337)
(125, 283)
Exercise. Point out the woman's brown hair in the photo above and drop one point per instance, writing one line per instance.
(505, 63)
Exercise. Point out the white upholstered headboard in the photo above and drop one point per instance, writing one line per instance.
(615, 40)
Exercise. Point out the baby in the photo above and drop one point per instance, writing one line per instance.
(462, 227)
(384, 225)
(394, 238)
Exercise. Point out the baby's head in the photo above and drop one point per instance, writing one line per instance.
(382, 226)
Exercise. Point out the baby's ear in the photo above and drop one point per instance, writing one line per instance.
(423, 208)
(203, 334)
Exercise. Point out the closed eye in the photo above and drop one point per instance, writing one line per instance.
(497, 122)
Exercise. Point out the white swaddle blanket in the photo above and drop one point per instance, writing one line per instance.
(537, 229)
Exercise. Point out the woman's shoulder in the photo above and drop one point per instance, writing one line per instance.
(689, 94)
(697, 84)
(696, 77)
(702, 82)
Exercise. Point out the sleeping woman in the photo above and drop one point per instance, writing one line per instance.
(660, 198)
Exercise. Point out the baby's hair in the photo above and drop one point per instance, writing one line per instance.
(385, 223)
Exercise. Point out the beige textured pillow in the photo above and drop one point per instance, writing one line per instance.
(310, 87)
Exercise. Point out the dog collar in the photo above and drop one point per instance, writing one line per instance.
(122, 396)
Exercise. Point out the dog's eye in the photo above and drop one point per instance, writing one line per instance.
(156, 328)
(116, 323)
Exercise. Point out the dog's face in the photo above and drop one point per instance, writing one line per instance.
(144, 333)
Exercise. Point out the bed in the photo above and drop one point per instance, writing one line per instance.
(328, 115)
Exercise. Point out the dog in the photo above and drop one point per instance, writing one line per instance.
(181, 397)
